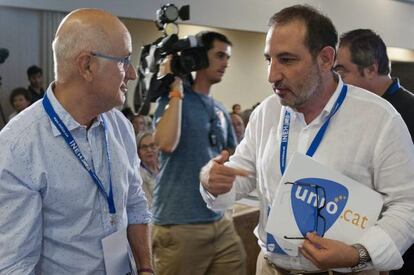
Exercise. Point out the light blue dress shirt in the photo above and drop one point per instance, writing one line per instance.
(52, 215)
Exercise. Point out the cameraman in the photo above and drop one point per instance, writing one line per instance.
(189, 238)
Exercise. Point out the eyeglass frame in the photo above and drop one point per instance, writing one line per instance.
(318, 208)
(126, 61)
(151, 146)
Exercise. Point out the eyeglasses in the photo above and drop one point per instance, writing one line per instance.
(318, 224)
(125, 61)
(151, 146)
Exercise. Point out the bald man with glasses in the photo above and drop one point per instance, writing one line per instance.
(77, 182)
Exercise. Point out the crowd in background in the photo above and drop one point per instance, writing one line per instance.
(148, 152)
(20, 98)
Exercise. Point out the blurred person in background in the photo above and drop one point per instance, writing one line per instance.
(149, 168)
(19, 100)
(35, 76)
(139, 123)
(238, 125)
(362, 61)
(236, 109)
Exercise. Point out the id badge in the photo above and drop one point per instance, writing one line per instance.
(271, 243)
(116, 256)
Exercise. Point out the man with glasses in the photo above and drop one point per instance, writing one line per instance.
(362, 61)
(342, 127)
(189, 238)
(78, 181)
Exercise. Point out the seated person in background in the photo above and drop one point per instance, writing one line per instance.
(236, 109)
(245, 115)
(149, 126)
(149, 168)
(238, 126)
(19, 100)
(35, 76)
(138, 121)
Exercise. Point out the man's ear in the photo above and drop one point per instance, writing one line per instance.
(326, 58)
(85, 66)
(371, 71)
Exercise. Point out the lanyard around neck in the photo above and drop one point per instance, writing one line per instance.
(319, 136)
(395, 86)
(54, 117)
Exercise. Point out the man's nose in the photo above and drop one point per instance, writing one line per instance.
(131, 73)
(225, 63)
(274, 73)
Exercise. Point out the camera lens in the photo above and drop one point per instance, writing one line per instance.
(171, 13)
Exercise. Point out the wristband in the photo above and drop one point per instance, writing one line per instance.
(175, 93)
(146, 269)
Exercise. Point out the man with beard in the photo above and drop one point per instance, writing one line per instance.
(319, 116)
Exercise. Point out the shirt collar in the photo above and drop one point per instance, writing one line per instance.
(66, 118)
(328, 107)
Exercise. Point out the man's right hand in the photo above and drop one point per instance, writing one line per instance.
(217, 178)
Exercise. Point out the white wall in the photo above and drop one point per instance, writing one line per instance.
(245, 79)
(392, 19)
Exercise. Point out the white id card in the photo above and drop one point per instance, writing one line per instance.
(116, 254)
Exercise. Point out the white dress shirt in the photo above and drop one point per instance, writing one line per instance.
(366, 140)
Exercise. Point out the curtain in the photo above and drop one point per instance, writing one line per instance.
(49, 25)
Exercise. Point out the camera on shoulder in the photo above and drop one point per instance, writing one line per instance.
(188, 55)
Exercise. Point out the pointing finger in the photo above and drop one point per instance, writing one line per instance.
(222, 158)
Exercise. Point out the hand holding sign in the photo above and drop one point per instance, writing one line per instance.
(217, 178)
(312, 197)
(327, 254)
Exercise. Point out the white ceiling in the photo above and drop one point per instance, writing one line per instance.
(392, 19)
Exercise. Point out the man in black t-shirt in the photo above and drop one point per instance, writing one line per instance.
(362, 61)
(35, 76)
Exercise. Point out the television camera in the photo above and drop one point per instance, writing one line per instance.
(188, 55)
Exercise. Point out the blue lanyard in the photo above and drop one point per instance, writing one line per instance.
(319, 136)
(395, 86)
(76, 151)
(271, 243)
